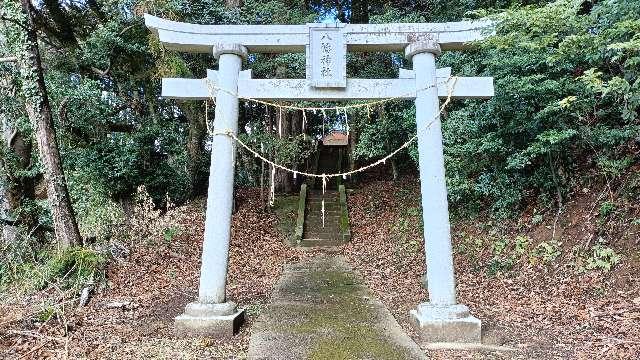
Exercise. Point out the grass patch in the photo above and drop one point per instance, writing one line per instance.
(70, 269)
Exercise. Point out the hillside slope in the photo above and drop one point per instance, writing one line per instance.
(530, 287)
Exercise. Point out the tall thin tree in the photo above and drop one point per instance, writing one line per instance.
(40, 115)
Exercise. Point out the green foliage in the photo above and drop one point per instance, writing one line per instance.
(598, 257)
(547, 251)
(602, 258)
(537, 219)
(47, 312)
(566, 86)
(606, 209)
(506, 254)
(614, 167)
(169, 233)
(15, 260)
(499, 265)
(26, 269)
(72, 269)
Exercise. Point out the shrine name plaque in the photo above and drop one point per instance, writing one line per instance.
(327, 56)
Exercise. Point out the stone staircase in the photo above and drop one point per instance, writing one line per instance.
(314, 233)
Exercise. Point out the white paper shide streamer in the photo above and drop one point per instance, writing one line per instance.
(258, 154)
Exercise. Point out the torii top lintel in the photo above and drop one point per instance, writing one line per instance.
(294, 38)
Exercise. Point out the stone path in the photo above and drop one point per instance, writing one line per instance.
(321, 310)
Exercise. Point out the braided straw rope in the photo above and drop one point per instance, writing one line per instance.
(343, 174)
(214, 89)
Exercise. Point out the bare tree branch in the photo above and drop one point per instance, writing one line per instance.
(14, 21)
(102, 73)
(8, 59)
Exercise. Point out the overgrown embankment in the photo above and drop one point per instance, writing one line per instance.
(548, 283)
(151, 274)
(545, 284)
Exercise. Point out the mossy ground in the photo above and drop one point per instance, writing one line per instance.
(326, 307)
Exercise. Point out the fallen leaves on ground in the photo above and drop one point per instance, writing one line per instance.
(542, 311)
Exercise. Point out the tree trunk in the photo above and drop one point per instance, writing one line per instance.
(359, 12)
(271, 154)
(195, 147)
(9, 230)
(14, 189)
(283, 123)
(296, 130)
(340, 11)
(39, 112)
(233, 3)
(283, 178)
(394, 169)
(353, 139)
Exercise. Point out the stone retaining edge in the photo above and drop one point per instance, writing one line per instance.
(345, 228)
(302, 202)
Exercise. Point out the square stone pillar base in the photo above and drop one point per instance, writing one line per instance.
(211, 320)
(446, 323)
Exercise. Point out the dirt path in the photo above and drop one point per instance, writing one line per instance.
(320, 309)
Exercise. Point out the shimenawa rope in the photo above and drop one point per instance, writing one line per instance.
(324, 177)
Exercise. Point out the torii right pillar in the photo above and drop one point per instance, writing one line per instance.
(441, 319)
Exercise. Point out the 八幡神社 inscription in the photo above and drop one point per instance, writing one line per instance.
(326, 60)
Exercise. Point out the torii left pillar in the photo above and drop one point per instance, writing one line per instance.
(212, 314)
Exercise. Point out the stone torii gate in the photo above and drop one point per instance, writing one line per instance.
(441, 319)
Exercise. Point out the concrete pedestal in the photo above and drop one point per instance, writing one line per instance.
(214, 320)
(446, 323)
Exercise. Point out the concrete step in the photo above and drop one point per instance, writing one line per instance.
(328, 226)
(322, 231)
(333, 224)
(320, 242)
(317, 215)
(328, 217)
(322, 236)
(327, 195)
(319, 204)
(325, 198)
(313, 212)
(314, 233)
(317, 211)
(328, 192)
(333, 206)
(327, 229)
